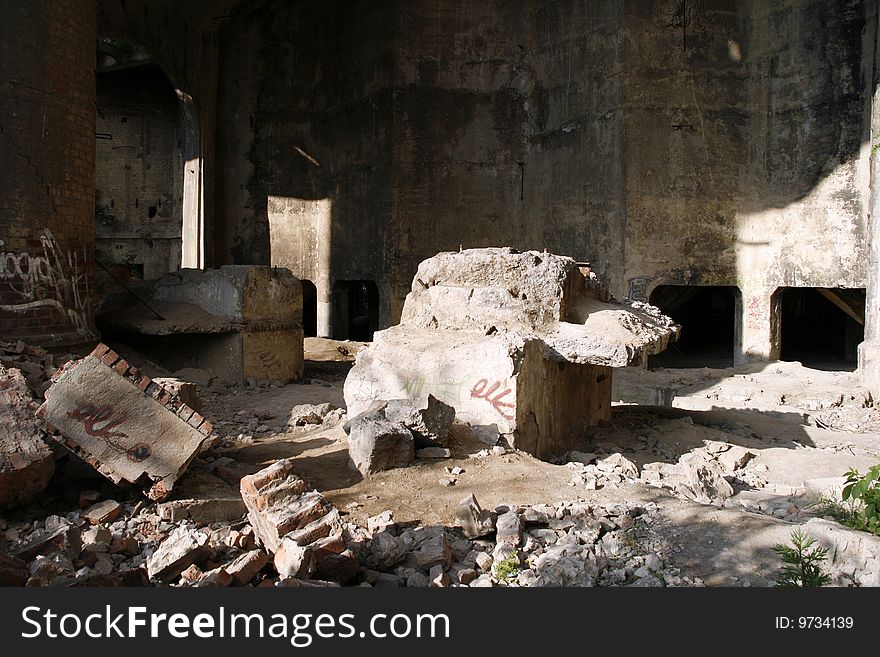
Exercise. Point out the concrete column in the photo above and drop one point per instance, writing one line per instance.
(755, 328)
(869, 350)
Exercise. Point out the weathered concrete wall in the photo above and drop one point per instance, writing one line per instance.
(180, 37)
(306, 101)
(699, 143)
(47, 151)
(747, 151)
(139, 182)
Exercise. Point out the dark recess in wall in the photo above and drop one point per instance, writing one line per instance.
(817, 332)
(707, 315)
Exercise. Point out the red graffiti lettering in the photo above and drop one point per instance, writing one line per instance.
(482, 390)
(98, 422)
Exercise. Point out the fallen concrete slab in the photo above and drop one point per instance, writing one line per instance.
(132, 430)
(26, 462)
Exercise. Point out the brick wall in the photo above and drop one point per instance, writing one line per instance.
(47, 181)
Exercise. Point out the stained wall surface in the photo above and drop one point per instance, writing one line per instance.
(47, 96)
(698, 143)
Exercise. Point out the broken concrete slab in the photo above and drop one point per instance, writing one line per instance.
(428, 418)
(376, 444)
(62, 537)
(129, 428)
(515, 342)
(509, 529)
(293, 560)
(704, 479)
(26, 462)
(854, 555)
(246, 566)
(102, 512)
(205, 511)
(185, 390)
(184, 547)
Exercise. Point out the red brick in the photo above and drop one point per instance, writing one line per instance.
(101, 350)
(121, 367)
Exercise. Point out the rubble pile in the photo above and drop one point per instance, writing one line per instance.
(389, 433)
(566, 544)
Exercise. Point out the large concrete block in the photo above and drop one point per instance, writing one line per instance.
(128, 427)
(238, 321)
(519, 344)
(504, 383)
(251, 295)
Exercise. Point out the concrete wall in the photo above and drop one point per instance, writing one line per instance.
(698, 143)
(181, 38)
(47, 151)
(306, 107)
(747, 151)
(139, 185)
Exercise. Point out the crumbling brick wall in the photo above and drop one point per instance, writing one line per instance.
(47, 133)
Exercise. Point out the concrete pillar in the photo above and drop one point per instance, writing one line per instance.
(869, 350)
(756, 327)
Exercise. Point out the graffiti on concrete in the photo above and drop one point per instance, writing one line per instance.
(638, 287)
(53, 279)
(100, 423)
(482, 390)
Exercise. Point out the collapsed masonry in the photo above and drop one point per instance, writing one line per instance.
(521, 345)
(239, 321)
(297, 525)
(130, 428)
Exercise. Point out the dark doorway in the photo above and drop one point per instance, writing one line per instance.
(355, 310)
(707, 315)
(821, 327)
(310, 309)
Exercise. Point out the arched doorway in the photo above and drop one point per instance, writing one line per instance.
(148, 171)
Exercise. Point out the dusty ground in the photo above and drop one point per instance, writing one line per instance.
(805, 426)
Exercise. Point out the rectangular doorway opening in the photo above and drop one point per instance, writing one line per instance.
(708, 318)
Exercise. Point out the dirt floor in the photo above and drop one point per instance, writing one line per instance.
(806, 428)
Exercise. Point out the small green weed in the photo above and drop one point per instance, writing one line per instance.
(803, 562)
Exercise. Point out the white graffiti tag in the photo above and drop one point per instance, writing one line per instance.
(52, 279)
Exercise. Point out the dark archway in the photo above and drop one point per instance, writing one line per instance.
(310, 309)
(708, 318)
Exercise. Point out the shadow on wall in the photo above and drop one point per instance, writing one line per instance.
(723, 149)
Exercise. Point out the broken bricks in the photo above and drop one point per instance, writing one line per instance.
(131, 429)
(298, 526)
